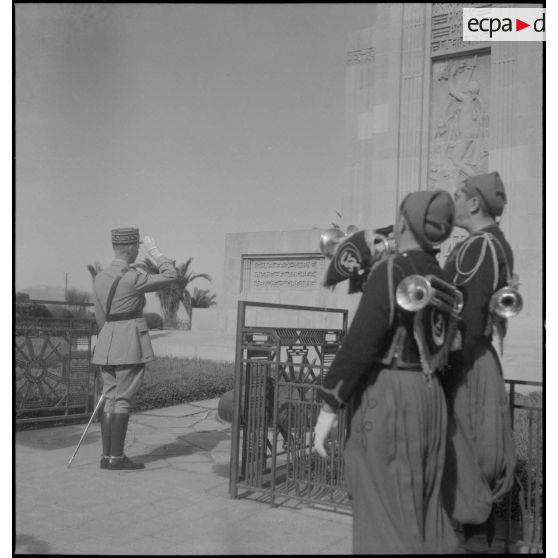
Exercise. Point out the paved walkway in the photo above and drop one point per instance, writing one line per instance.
(178, 505)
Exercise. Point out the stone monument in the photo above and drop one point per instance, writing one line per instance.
(424, 110)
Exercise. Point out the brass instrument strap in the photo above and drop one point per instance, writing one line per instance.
(391, 290)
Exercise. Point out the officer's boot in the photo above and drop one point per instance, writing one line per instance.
(105, 435)
(117, 460)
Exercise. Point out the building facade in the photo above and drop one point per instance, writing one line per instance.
(424, 110)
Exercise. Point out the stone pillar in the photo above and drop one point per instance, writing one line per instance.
(415, 65)
(373, 59)
(408, 80)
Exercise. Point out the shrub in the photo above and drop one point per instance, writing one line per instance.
(154, 320)
(171, 381)
(33, 310)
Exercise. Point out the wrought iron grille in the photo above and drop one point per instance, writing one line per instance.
(277, 373)
(53, 375)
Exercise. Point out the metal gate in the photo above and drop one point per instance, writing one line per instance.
(53, 376)
(278, 371)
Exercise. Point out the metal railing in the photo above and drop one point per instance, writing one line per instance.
(277, 374)
(53, 376)
(524, 507)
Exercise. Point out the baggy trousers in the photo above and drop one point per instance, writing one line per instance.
(394, 461)
(480, 459)
(120, 385)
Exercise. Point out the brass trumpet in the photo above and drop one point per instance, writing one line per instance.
(353, 254)
(506, 302)
(415, 292)
(329, 241)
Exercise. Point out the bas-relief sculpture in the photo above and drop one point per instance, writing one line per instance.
(460, 93)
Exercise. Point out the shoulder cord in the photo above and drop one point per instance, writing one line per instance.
(492, 322)
(469, 274)
(503, 252)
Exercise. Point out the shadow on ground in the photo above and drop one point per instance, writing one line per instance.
(198, 442)
(28, 544)
(57, 438)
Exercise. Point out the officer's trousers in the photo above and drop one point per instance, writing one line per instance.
(120, 385)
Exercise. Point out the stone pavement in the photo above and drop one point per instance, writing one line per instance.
(178, 505)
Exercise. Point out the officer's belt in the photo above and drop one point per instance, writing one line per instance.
(123, 316)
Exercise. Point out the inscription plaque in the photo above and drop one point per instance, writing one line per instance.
(282, 273)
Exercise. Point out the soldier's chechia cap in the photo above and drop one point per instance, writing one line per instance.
(430, 215)
(490, 188)
(126, 235)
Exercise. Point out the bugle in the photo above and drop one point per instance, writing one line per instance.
(415, 292)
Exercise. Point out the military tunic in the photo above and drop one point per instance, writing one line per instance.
(481, 453)
(395, 450)
(123, 345)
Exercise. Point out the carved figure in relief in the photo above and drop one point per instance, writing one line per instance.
(462, 121)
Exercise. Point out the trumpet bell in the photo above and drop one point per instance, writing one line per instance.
(329, 241)
(507, 302)
(413, 293)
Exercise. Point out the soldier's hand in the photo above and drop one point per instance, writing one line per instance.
(151, 248)
(326, 421)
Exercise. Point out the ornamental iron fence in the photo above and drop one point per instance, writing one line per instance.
(524, 503)
(277, 374)
(53, 376)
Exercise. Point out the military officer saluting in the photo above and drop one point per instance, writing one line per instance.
(395, 450)
(123, 345)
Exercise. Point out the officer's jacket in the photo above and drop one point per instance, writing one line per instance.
(472, 268)
(126, 341)
(374, 325)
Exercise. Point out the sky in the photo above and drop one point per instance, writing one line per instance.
(189, 121)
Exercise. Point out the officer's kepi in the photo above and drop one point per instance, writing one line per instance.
(124, 236)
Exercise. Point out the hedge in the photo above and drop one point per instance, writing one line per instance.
(171, 381)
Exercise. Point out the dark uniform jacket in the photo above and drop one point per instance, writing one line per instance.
(373, 327)
(471, 267)
(126, 341)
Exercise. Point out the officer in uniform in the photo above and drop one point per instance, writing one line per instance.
(395, 449)
(481, 453)
(123, 345)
